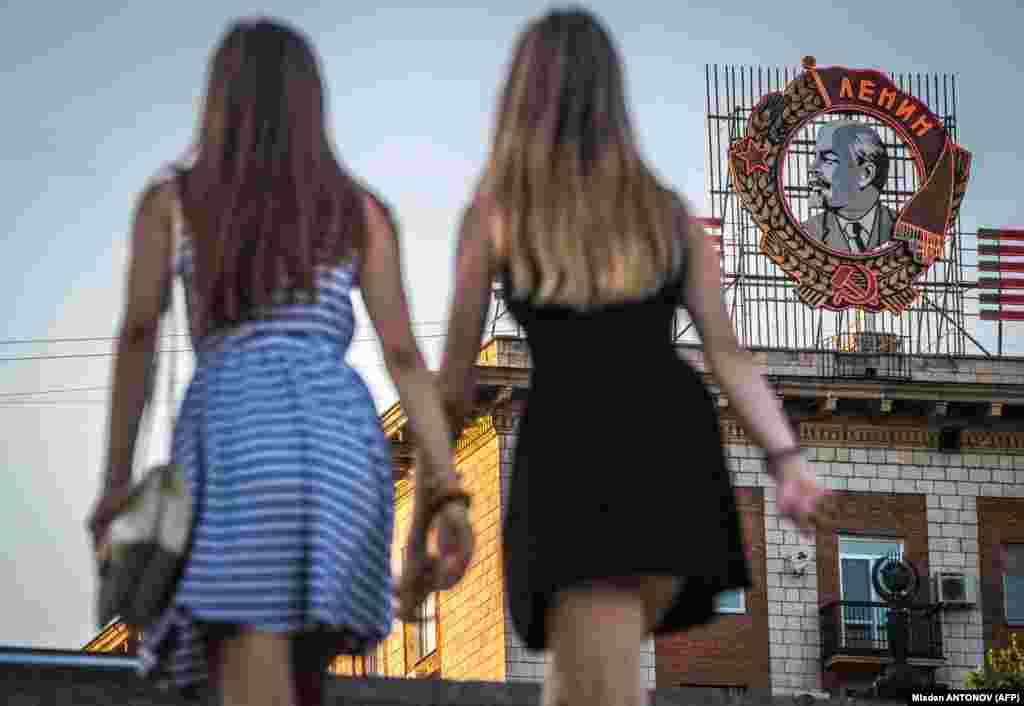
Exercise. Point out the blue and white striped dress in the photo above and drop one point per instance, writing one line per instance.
(292, 478)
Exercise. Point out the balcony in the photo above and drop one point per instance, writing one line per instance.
(854, 636)
(867, 355)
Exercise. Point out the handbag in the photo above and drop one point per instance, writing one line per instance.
(140, 560)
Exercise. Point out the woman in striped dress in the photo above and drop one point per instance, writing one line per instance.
(290, 557)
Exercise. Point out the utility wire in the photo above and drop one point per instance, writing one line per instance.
(54, 391)
(21, 402)
(81, 339)
(72, 356)
(22, 397)
(96, 339)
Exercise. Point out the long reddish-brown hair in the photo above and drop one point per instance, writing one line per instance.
(266, 199)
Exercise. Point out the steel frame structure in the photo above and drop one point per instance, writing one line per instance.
(761, 299)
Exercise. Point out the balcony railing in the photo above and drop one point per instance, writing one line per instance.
(859, 628)
(867, 355)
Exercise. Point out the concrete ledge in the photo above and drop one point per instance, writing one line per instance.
(40, 677)
(34, 685)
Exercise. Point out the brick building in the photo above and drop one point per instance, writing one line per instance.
(930, 467)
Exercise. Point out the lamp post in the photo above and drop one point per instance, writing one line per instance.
(897, 582)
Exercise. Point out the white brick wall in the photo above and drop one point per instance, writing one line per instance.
(951, 484)
(524, 665)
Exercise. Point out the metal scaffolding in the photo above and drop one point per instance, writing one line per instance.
(761, 299)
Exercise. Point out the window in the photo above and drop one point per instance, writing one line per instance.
(373, 662)
(343, 666)
(420, 638)
(732, 601)
(863, 624)
(369, 664)
(1013, 583)
(426, 630)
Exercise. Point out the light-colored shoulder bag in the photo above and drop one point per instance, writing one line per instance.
(141, 558)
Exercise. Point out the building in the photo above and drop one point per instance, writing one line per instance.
(931, 468)
(916, 427)
(952, 502)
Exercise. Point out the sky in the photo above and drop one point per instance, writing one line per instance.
(99, 95)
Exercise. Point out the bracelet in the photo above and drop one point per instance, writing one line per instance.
(773, 458)
(447, 497)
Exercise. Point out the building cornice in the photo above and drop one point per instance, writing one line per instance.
(859, 434)
(503, 381)
(112, 638)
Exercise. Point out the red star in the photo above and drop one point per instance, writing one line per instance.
(753, 156)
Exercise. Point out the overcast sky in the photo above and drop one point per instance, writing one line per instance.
(98, 95)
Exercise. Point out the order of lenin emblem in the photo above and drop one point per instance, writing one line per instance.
(850, 248)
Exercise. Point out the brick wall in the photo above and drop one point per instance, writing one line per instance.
(875, 515)
(396, 662)
(882, 515)
(471, 615)
(888, 455)
(733, 649)
(1000, 522)
(951, 485)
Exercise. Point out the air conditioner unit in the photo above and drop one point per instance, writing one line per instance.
(954, 589)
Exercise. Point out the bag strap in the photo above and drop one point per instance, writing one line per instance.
(177, 225)
(146, 423)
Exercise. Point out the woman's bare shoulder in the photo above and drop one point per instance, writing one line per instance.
(159, 195)
(380, 219)
(486, 224)
(157, 202)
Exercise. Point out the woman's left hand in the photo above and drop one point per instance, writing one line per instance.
(425, 572)
(110, 501)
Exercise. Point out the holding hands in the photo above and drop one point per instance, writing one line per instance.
(440, 541)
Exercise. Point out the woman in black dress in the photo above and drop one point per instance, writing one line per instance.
(621, 519)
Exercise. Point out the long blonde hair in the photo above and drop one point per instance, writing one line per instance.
(586, 222)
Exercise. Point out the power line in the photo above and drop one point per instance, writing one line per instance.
(60, 356)
(54, 391)
(97, 339)
(49, 403)
(10, 399)
(81, 339)
(67, 356)
(21, 402)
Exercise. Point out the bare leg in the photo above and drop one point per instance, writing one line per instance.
(595, 634)
(256, 670)
(553, 691)
(658, 594)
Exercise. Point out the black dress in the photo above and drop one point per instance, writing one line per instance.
(619, 468)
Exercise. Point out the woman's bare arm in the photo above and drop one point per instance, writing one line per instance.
(749, 395)
(475, 267)
(798, 494)
(384, 294)
(146, 297)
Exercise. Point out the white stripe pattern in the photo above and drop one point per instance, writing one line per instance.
(283, 447)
